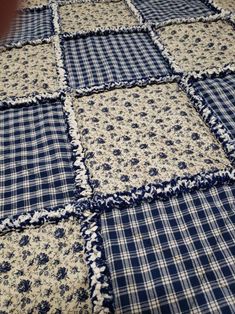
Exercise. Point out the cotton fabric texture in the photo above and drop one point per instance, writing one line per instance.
(117, 157)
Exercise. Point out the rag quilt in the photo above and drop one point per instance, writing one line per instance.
(117, 154)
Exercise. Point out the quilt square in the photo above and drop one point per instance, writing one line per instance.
(32, 3)
(165, 10)
(36, 169)
(107, 58)
(30, 25)
(174, 256)
(143, 135)
(82, 17)
(219, 94)
(201, 45)
(43, 270)
(28, 70)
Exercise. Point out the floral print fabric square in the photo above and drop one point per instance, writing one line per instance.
(80, 17)
(30, 25)
(166, 10)
(42, 270)
(36, 170)
(143, 135)
(30, 69)
(200, 46)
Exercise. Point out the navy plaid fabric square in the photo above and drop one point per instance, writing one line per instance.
(174, 256)
(36, 169)
(31, 24)
(107, 58)
(164, 10)
(218, 93)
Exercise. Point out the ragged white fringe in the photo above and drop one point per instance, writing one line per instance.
(168, 57)
(209, 18)
(34, 8)
(210, 72)
(34, 99)
(158, 191)
(81, 177)
(100, 284)
(126, 84)
(58, 49)
(107, 30)
(20, 44)
(36, 218)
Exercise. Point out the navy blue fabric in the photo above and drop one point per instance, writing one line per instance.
(174, 256)
(164, 10)
(107, 58)
(219, 94)
(36, 169)
(30, 25)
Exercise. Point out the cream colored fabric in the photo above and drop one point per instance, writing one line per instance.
(44, 269)
(29, 69)
(200, 46)
(228, 5)
(141, 135)
(88, 16)
(32, 3)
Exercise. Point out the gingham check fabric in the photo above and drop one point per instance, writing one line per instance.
(35, 167)
(99, 59)
(30, 25)
(176, 256)
(219, 94)
(163, 10)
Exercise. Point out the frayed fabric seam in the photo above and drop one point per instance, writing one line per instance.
(81, 174)
(99, 276)
(135, 11)
(158, 191)
(209, 18)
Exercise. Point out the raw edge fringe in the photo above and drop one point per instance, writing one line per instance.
(135, 11)
(107, 31)
(57, 47)
(81, 177)
(98, 272)
(125, 84)
(21, 44)
(11, 102)
(211, 73)
(168, 58)
(158, 191)
(36, 7)
(210, 18)
(36, 218)
(212, 120)
(33, 9)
